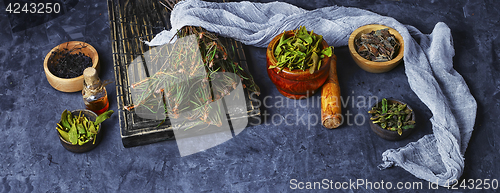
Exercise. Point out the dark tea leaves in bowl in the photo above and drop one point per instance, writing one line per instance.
(68, 63)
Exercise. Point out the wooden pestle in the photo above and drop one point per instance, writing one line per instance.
(331, 116)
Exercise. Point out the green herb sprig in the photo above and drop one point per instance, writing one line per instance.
(79, 130)
(301, 51)
(393, 117)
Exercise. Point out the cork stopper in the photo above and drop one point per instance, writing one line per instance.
(90, 76)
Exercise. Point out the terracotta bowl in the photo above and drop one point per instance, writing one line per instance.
(87, 146)
(70, 84)
(392, 135)
(371, 66)
(296, 84)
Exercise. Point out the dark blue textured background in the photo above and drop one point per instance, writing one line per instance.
(262, 158)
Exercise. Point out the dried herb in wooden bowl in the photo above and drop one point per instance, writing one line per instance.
(69, 63)
(377, 46)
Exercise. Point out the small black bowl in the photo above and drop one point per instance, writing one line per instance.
(388, 134)
(91, 116)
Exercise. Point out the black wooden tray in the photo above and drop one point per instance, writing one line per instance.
(130, 22)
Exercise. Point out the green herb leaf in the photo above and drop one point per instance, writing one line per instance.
(384, 105)
(64, 119)
(306, 38)
(401, 107)
(73, 135)
(92, 129)
(283, 41)
(103, 117)
(315, 59)
(89, 134)
(302, 34)
(408, 126)
(278, 50)
(81, 129)
(63, 134)
(81, 142)
(327, 51)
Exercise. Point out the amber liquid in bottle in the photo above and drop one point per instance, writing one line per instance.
(94, 93)
(99, 106)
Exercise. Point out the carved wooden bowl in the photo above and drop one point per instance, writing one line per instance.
(371, 66)
(296, 84)
(70, 84)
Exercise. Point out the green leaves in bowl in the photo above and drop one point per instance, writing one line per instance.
(301, 51)
(393, 117)
(78, 129)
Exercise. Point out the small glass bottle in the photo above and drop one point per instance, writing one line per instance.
(94, 93)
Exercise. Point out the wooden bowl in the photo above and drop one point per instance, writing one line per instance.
(91, 116)
(387, 134)
(368, 65)
(296, 84)
(70, 84)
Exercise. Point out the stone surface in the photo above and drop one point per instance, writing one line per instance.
(262, 158)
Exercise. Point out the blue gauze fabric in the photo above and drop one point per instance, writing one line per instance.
(437, 157)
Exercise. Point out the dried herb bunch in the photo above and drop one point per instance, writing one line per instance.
(377, 46)
(217, 59)
(189, 86)
(393, 117)
(69, 63)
